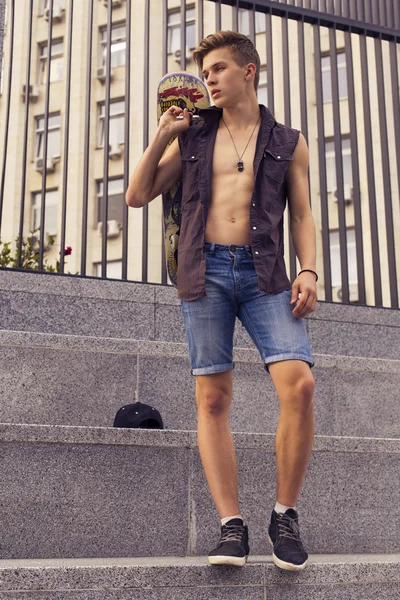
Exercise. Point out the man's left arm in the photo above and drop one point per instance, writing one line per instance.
(302, 230)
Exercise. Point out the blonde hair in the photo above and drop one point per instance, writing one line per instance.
(241, 47)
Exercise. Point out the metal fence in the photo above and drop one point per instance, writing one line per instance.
(359, 22)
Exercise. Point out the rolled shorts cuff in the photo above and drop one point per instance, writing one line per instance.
(213, 369)
(278, 357)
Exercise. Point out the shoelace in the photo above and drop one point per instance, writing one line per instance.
(288, 527)
(232, 533)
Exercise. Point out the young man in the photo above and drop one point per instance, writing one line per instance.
(238, 167)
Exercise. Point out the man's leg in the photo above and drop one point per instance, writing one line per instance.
(216, 447)
(295, 385)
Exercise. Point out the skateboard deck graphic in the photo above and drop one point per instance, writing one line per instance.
(186, 91)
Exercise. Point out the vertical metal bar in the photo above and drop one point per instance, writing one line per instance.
(235, 16)
(330, 7)
(85, 196)
(361, 10)
(286, 97)
(104, 208)
(318, 5)
(183, 35)
(252, 22)
(384, 13)
(200, 29)
(322, 165)
(66, 136)
(339, 166)
(45, 138)
(396, 104)
(390, 14)
(396, 12)
(145, 227)
(387, 188)
(164, 277)
(303, 87)
(370, 173)
(217, 15)
(125, 221)
(355, 169)
(368, 11)
(270, 61)
(7, 116)
(286, 69)
(375, 12)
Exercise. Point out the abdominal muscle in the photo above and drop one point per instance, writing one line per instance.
(228, 213)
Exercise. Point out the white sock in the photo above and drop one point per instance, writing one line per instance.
(281, 508)
(226, 519)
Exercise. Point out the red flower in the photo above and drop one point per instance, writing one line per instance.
(68, 251)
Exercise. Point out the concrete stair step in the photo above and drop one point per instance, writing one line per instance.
(331, 577)
(118, 309)
(76, 492)
(59, 379)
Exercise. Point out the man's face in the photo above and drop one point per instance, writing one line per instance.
(222, 73)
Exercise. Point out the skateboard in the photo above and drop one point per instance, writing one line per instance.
(186, 91)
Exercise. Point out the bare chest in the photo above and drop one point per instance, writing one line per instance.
(228, 152)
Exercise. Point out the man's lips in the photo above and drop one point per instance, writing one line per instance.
(215, 92)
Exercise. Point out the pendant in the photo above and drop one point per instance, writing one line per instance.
(240, 165)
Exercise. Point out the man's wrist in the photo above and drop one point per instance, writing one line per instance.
(312, 271)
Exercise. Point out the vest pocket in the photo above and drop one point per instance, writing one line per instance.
(276, 163)
(190, 176)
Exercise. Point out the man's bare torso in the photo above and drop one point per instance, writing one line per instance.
(231, 190)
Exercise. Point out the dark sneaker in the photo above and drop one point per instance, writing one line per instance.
(233, 547)
(284, 535)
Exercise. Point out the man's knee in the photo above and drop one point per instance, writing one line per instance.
(214, 392)
(295, 385)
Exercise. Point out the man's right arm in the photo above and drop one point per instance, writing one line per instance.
(153, 176)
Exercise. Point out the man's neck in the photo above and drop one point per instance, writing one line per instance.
(242, 117)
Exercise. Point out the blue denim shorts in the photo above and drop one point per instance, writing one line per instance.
(232, 291)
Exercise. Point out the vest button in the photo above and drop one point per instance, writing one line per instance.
(254, 227)
(253, 204)
(193, 157)
(278, 157)
(256, 252)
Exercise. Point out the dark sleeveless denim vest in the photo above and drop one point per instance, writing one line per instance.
(274, 151)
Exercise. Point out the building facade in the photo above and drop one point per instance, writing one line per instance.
(77, 85)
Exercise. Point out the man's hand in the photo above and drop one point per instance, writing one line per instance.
(306, 287)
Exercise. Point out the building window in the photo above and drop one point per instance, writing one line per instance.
(335, 257)
(262, 94)
(116, 200)
(53, 138)
(331, 165)
(244, 21)
(117, 122)
(326, 77)
(56, 65)
(114, 269)
(174, 30)
(51, 205)
(118, 46)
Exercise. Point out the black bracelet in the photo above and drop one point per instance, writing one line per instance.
(310, 272)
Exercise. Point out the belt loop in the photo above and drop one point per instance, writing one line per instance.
(212, 247)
